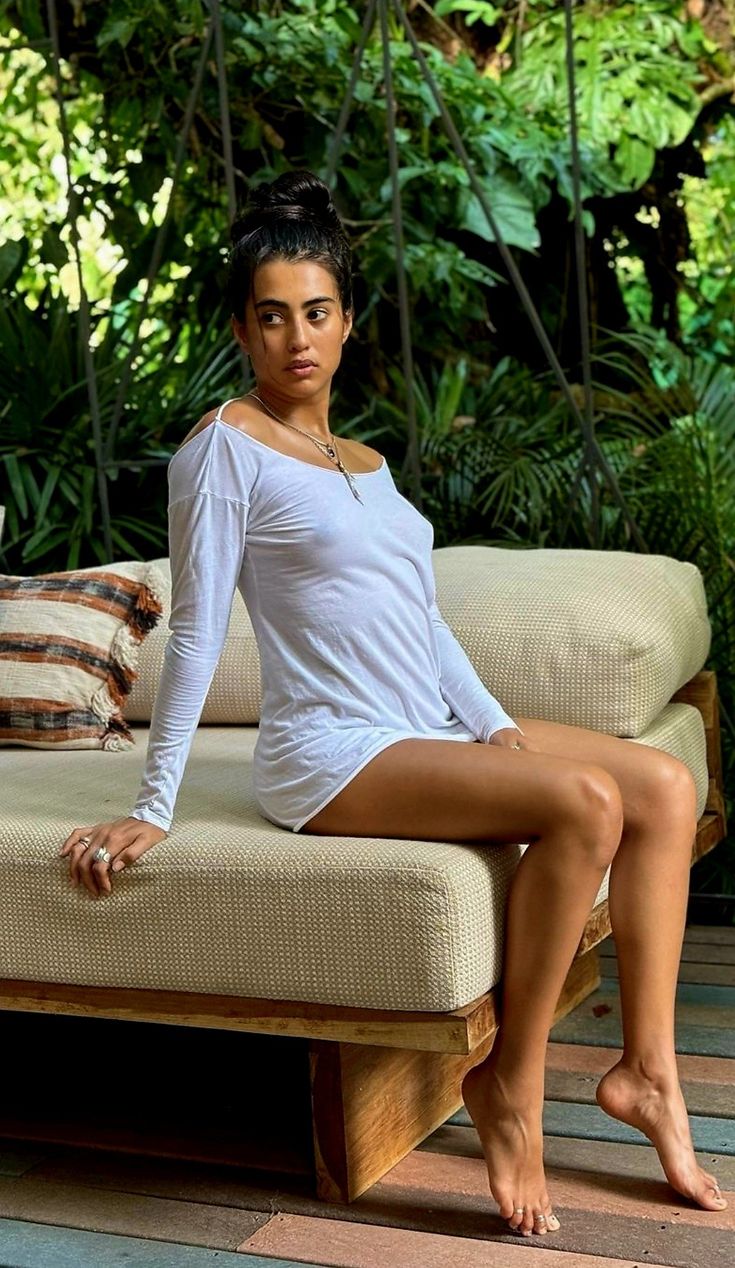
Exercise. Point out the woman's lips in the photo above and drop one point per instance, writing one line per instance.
(301, 371)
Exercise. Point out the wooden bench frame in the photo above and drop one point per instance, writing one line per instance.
(381, 1081)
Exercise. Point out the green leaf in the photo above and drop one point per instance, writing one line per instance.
(117, 30)
(635, 160)
(12, 259)
(511, 209)
(17, 485)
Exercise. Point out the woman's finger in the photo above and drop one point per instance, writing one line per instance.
(92, 869)
(101, 873)
(85, 873)
(79, 834)
(131, 854)
(77, 853)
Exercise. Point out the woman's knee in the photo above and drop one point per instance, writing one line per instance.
(670, 790)
(595, 805)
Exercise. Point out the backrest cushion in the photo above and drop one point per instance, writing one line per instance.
(235, 692)
(600, 639)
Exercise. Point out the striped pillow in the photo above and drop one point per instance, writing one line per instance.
(69, 646)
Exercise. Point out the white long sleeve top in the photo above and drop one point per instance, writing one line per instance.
(354, 652)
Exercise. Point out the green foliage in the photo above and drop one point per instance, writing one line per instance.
(471, 10)
(47, 452)
(637, 72)
(288, 68)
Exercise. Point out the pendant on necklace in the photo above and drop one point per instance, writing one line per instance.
(350, 481)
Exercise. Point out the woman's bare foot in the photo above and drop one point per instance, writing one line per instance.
(655, 1105)
(510, 1132)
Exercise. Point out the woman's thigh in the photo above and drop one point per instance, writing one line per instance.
(442, 790)
(650, 781)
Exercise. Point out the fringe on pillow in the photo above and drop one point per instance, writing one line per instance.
(108, 699)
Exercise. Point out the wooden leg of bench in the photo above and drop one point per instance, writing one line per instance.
(372, 1105)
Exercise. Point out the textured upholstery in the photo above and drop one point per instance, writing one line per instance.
(235, 693)
(597, 639)
(600, 639)
(231, 903)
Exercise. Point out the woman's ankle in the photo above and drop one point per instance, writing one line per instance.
(654, 1066)
(520, 1081)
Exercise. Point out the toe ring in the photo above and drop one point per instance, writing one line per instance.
(519, 1210)
(540, 1219)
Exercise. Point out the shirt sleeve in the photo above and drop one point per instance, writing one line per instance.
(207, 551)
(462, 687)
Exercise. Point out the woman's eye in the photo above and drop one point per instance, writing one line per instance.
(323, 311)
(267, 315)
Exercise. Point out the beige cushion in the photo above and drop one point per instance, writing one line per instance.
(596, 639)
(69, 646)
(235, 693)
(600, 639)
(231, 903)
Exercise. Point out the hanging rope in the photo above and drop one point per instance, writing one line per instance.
(84, 322)
(412, 460)
(515, 276)
(157, 252)
(344, 114)
(580, 250)
(224, 107)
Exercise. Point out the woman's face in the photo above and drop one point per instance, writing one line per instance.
(294, 315)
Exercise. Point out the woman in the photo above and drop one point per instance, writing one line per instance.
(375, 723)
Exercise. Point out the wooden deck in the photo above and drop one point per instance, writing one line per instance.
(67, 1207)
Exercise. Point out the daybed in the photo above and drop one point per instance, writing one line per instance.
(385, 954)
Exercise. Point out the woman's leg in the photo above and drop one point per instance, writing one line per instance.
(571, 814)
(649, 884)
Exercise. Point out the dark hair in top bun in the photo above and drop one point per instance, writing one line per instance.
(291, 218)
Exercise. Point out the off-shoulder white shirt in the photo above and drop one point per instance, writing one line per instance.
(354, 652)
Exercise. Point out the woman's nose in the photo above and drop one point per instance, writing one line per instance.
(298, 336)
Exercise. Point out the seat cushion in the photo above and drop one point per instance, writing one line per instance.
(592, 638)
(229, 903)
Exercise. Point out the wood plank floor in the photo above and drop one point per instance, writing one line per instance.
(64, 1207)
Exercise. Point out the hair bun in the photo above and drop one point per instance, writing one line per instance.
(295, 193)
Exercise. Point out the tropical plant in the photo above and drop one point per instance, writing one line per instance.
(47, 450)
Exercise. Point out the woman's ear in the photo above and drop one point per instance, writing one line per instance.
(238, 330)
(348, 318)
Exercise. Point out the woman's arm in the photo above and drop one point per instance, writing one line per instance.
(462, 687)
(207, 549)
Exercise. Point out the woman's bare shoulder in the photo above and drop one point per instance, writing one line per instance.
(238, 415)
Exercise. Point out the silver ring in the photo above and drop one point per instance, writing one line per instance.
(85, 841)
(519, 1210)
(101, 855)
(540, 1219)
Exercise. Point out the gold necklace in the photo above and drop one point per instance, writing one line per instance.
(329, 449)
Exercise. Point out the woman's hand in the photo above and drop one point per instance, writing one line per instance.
(124, 840)
(509, 737)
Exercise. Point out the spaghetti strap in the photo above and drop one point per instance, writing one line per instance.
(218, 416)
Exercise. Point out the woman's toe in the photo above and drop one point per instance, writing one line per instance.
(527, 1223)
(713, 1195)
